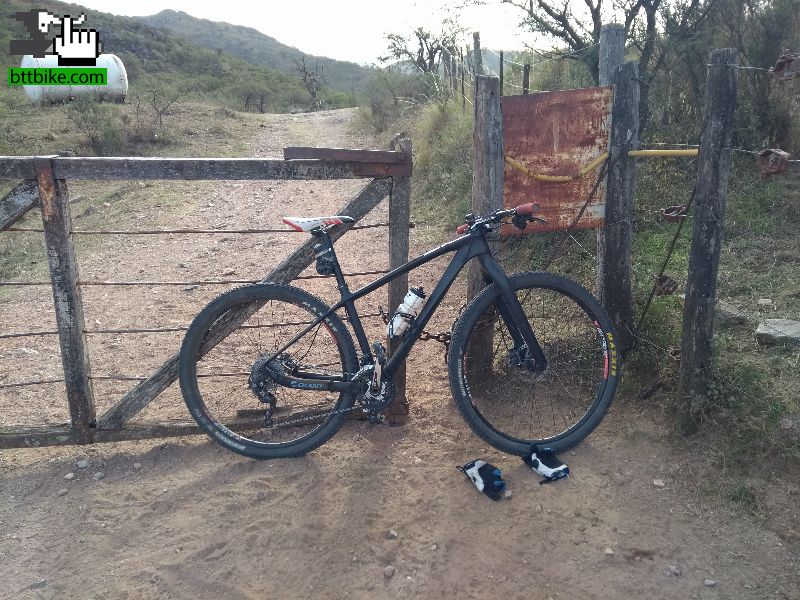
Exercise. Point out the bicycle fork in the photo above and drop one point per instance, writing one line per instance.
(526, 346)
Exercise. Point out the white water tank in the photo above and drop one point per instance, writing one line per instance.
(116, 79)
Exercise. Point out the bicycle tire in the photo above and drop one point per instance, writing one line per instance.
(198, 398)
(483, 409)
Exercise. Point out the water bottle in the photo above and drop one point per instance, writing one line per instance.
(409, 309)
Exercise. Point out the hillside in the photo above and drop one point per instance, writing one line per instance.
(156, 56)
(257, 48)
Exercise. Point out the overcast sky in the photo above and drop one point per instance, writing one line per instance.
(351, 30)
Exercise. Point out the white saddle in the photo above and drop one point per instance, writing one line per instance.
(309, 223)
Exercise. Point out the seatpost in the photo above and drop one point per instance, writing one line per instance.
(323, 235)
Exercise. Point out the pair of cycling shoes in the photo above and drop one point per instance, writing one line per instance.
(489, 479)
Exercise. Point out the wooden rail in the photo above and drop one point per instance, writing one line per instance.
(46, 182)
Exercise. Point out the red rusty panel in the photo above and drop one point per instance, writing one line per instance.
(556, 133)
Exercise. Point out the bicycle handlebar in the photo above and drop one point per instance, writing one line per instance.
(525, 210)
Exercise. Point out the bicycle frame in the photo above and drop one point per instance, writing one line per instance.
(466, 247)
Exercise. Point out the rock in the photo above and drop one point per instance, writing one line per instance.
(75, 199)
(106, 204)
(417, 460)
(619, 479)
(99, 475)
(89, 211)
(434, 547)
(82, 464)
(189, 288)
(392, 535)
(63, 492)
(137, 466)
(183, 266)
(709, 583)
(727, 314)
(229, 272)
(38, 584)
(20, 352)
(261, 496)
(658, 483)
(764, 302)
(608, 552)
(773, 331)
(388, 572)
(673, 570)
(69, 476)
(507, 494)
(786, 423)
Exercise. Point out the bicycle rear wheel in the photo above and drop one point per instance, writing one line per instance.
(512, 407)
(226, 382)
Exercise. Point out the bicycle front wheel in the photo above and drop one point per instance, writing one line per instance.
(512, 406)
(227, 380)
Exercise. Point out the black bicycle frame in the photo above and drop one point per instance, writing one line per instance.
(466, 248)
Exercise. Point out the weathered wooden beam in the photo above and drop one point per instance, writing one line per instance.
(17, 167)
(141, 395)
(709, 218)
(344, 154)
(54, 201)
(24, 436)
(502, 93)
(614, 236)
(399, 217)
(17, 202)
(71, 167)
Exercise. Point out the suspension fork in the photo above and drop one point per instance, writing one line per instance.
(513, 315)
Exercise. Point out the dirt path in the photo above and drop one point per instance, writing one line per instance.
(185, 519)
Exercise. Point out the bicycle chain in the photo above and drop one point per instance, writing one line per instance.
(443, 337)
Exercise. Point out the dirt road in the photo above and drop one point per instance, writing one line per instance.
(377, 512)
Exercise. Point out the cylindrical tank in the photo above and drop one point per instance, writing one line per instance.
(115, 90)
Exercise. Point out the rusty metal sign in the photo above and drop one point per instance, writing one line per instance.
(556, 133)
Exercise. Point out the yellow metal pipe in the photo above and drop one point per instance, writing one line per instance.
(594, 164)
(665, 153)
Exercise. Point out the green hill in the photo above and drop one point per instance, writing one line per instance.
(257, 48)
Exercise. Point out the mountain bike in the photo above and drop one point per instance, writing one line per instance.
(271, 371)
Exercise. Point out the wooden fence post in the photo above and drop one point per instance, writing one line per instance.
(502, 93)
(614, 236)
(526, 78)
(476, 42)
(54, 202)
(487, 187)
(709, 217)
(399, 217)
(612, 51)
(463, 95)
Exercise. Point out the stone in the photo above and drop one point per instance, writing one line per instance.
(63, 492)
(388, 572)
(20, 352)
(786, 423)
(38, 584)
(507, 494)
(773, 331)
(709, 583)
(727, 314)
(82, 464)
(608, 552)
(189, 288)
(392, 534)
(764, 302)
(69, 476)
(137, 466)
(673, 570)
(99, 475)
(658, 483)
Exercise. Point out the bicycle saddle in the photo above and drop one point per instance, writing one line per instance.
(309, 223)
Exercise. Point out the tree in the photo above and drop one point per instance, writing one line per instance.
(643, 20)
(423, 48)
(313, 79)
